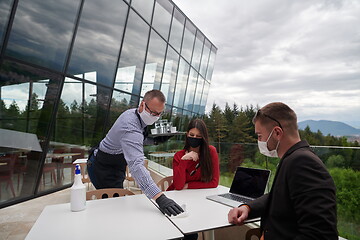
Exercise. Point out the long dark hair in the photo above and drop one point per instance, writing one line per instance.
(204, 152)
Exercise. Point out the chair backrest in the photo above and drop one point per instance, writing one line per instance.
(7, 164)
(107, 193)
(253, 232)
(164, 183)
(84, 176)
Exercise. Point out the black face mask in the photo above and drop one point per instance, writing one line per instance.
(194, 142)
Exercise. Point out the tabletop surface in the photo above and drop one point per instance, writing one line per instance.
(165, 154)
(129, 217)
(166, 134)
(203, 214)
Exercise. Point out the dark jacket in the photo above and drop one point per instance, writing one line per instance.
(302, 201)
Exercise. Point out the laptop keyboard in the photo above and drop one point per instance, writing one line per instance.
(235, 197)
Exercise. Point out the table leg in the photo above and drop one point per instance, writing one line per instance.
(209, 235)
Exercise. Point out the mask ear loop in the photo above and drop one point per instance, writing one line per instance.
(143, 105)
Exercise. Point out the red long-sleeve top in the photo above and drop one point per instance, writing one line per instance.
(183, 168)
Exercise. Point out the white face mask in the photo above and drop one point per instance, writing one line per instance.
(264, 149)
(147, 117)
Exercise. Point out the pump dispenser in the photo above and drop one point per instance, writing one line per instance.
(78, 192)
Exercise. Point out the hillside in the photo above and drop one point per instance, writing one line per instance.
(333, 128)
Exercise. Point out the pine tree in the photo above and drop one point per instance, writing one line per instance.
(217, 125)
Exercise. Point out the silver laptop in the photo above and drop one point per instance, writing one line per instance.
(248, 184)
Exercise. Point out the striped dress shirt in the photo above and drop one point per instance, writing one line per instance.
(126, 136)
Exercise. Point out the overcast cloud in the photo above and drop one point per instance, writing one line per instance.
(304, 53)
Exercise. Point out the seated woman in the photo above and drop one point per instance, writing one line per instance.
(197, 165)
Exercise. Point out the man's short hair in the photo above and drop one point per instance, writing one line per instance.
(154, 94)
(277, 114)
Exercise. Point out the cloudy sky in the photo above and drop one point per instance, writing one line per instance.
(304, 53)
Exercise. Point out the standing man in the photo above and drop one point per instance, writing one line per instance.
(302, 200)
(123, 145)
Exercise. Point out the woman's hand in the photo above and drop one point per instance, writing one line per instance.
(191, 156)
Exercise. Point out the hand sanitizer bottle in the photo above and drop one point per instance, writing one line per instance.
(78, 192)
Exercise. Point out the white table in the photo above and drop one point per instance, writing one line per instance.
(162, 155)
(129, 217)
(203, 214)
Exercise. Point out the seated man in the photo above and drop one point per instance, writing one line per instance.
(302, 200)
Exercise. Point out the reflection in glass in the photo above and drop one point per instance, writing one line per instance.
(169, 75)
(144, 8)
(132, 55)
(190, 90)
(204, 97)
(199, 43)
(120, 102)
(205, 58)
(181, 83)
(27, 99)
(97, 44)
(154, 63)
(5, 8)
(162, 17)
(43, 39)
(188, 41)
(177, 27)
(210, 69)
(79, 124)
(198, 93)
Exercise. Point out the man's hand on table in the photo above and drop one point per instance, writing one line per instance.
(238, 215)
(168, 206)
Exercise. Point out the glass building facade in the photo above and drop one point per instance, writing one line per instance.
(69, 68)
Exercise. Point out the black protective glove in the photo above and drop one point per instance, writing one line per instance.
(168, 206)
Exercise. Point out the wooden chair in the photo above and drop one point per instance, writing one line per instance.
(253, 232)
(49, 168)
(20, 168)
(84, 175)
(107, 193)
(165, 182)
(6, 171)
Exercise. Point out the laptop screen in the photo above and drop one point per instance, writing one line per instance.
(250, 182)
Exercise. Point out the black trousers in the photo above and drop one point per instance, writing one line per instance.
(107, 170)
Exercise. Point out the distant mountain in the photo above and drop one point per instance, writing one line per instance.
(333, 128)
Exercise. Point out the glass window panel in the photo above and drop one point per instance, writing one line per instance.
(27, 99)
(199, 43)
(129, 73)
(162, 17)
(167, 113)
(188, 41)
(5, 9)
(190, 90)
(169, 75)
(79, 124)
(177, 27)
(205, 58)
(97, 44)
(144, 8)
(204, 97)
(42, 31)
(154, 63)
(182, 77)
(210, 69)
(176, 119)
(198, 93)
(120, 102)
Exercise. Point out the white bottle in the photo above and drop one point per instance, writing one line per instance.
(78, 192)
